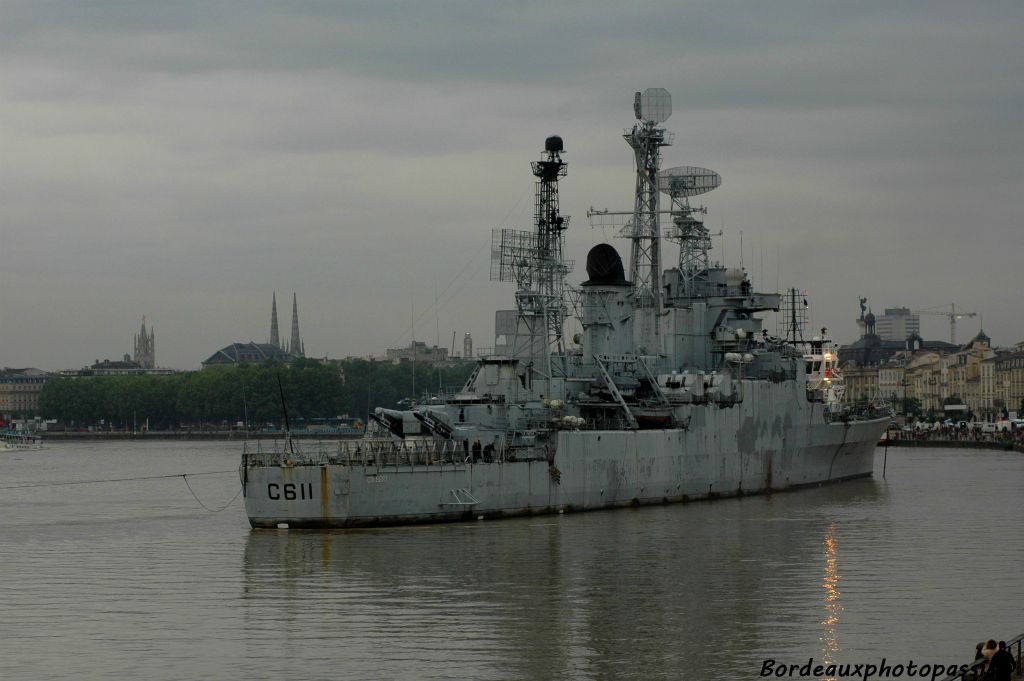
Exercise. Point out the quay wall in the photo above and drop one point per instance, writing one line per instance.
(191, 435)
(1007, 445)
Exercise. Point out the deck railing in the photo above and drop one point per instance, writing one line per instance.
(380, 452)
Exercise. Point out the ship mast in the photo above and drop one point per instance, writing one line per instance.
(652, 107)
(551, 226)
(534, 261)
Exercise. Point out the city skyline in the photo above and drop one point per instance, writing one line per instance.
(941, 326)
(180, 161)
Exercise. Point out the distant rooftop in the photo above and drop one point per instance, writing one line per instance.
(872, 349)
(246, 353)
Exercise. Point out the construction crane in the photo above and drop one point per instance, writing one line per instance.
(952, 314)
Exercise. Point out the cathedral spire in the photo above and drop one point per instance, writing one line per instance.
(145, 347)
(296, 347)
(275, 338)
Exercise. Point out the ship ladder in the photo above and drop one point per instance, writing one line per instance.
(653, 383)
(506, 443)
(610, 383)
(658, 393)
(462, 496)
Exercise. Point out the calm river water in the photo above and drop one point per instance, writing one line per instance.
(134, 580)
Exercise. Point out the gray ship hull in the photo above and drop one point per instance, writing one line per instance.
(672, 391)
(721, 454)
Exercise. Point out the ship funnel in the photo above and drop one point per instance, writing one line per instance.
(604, 267)
(606, 305)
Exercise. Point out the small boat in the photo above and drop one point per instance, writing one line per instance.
(11, 440)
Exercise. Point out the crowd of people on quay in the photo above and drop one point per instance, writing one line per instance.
(958, 432)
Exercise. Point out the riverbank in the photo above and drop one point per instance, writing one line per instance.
(191, 435)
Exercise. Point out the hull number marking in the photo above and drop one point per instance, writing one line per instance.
(289, 491)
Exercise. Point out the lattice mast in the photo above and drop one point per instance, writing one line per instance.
(551, 226)
(651, 107)
(534, 261)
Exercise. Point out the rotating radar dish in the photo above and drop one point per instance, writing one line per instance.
(688, 181)
(653, 104)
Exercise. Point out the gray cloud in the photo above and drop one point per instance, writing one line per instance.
(182, 160)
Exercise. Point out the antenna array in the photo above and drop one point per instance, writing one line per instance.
(793, 320)
(534, 261)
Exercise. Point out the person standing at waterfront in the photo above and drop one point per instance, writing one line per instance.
(1003, 663)
(987, 669)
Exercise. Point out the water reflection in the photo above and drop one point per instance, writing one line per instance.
(629, 594)
(832, 606)
(136, 581)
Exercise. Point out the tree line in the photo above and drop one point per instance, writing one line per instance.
(246, 393)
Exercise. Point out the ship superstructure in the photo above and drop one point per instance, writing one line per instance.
(672, 391)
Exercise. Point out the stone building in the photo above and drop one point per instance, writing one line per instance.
(964, 379)
(19, 391)
(895, 370)
(861, 383)
(1008, 389)
(993, 406)
(892, 378)
(872, 350)
(418, 352)
(988, 382)
(925, 380)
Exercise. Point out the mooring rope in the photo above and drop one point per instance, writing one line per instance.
(184, 476)
(94, 482)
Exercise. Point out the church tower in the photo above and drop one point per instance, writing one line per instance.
(145, 347)
(275, 339)
(296, 347)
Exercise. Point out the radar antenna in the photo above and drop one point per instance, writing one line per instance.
(694, 239)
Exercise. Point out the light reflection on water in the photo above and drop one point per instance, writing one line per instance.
(137, 581)
(830, 583)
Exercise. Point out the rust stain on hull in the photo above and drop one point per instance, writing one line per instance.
(325, 499)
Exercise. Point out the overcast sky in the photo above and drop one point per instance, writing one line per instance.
(184, 160)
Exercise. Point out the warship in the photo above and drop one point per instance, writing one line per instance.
(673, 389)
